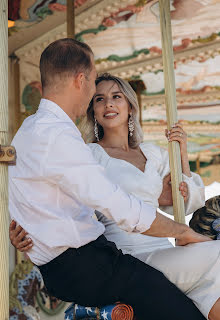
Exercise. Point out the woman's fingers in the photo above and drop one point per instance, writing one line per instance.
(176, 132)
(184, 190)
(177, 136)
(177, 125)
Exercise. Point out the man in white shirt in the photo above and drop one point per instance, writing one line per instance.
(55, 188)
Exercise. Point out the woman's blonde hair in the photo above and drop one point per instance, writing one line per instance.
(87, 125)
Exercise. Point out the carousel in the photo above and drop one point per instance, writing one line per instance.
(132, 39)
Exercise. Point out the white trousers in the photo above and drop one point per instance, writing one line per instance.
(194, 269)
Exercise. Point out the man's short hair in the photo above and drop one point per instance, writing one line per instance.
(64, 57)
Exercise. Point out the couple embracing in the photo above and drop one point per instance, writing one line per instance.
(59, 181)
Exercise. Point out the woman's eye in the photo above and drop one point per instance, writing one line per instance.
(116, 96)
(98, 99)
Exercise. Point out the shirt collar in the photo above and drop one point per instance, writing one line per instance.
(54, 108)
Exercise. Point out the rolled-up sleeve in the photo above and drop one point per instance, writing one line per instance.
(70, 164)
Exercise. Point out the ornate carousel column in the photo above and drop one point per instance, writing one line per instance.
(171, 108)
(4, 244)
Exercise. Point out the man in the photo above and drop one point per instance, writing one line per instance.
(55, 187)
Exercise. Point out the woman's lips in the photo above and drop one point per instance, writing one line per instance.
(110, 115)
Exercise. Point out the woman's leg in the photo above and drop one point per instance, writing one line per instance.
(194, 269)
(214, 313)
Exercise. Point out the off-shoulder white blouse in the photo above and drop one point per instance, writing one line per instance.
(147, 186)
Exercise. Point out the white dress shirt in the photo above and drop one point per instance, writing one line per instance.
(56, 185)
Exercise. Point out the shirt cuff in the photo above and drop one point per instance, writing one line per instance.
(147, 216)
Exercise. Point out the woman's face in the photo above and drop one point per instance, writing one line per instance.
(111, 107)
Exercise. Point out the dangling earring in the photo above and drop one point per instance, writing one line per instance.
(130, 125)
(96, 130)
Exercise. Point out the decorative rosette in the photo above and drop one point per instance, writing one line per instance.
(216, 227)
(116, 311)
(122, 312)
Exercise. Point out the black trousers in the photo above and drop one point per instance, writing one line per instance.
(99, 274)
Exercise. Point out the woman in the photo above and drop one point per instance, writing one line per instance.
(114, 135)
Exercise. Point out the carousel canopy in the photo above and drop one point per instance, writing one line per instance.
(125, 37)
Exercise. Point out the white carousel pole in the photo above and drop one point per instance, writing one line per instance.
(171, 108)
(4, 244)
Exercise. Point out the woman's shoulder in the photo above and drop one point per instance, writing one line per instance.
(151, 149)
(158, 156)
(99, 153)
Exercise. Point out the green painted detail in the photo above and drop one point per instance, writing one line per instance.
(206, 174)
(116, 58)
(153, 93)
(79, 36)
(141, 3)
(207, 39)
(44, 12)
(12, 30)
(157, 71)
(31, 99)
(134, 78)
(59, 307)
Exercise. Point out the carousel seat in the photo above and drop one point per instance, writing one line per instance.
(115, 311)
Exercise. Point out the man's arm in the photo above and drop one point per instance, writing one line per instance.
(161, 227)
(165, 227)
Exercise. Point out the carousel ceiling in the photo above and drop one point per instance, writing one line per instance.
(125, 38)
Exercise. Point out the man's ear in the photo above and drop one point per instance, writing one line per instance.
(79, 80)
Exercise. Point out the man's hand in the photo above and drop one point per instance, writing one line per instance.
(166, 198)
(190, 236)
(18, 238)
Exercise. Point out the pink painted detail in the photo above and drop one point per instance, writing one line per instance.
(116, 17)
(184, 45)
(62, 7)
(37, 85)
(57, 7)
(79, 3)
(155, 50)
(188, 92)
